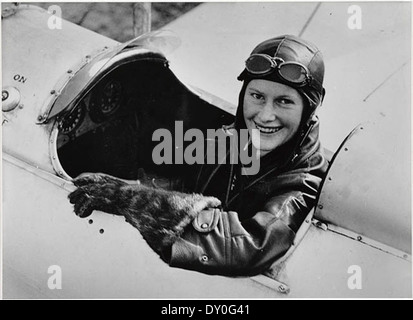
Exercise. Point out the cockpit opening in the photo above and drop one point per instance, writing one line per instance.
(110, 130)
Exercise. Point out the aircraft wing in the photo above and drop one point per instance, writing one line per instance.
(367, 70)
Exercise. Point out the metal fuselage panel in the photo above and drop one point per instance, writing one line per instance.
(118, 263)
(368, 189)
(325, 265)
(36, 61)
(39, 233)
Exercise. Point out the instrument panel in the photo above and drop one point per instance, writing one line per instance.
(72, 121)
(105, 101)
(102, 104)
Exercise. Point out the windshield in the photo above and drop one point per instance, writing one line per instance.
(161, 42)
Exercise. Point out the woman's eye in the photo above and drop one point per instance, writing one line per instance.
(284, 101)
(257, 96)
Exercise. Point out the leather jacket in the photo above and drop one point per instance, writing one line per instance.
(259, 216)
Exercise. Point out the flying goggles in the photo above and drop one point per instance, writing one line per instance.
(293, 72)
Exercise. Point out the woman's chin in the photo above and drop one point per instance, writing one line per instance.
(265, 147)
(263, 150)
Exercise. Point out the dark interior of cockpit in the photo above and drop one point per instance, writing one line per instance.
(110, 130)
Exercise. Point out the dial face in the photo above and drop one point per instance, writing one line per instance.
(106, 100)
(73, 120)
(112, 94)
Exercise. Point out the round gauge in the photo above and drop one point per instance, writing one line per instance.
(73, 120)
(106, 101)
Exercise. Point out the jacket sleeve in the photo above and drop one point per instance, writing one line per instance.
(217, 242)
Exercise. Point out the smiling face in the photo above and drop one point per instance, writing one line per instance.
(275, 110)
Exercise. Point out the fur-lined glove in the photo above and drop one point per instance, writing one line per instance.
(159, 215)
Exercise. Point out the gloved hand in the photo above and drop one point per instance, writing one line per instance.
(160, 215)
(95, 191)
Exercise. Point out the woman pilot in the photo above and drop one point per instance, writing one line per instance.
(236, 224)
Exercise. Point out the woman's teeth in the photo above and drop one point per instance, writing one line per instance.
(267, 129)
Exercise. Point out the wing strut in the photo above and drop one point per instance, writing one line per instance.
(309, 19)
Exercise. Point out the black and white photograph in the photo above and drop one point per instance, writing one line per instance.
(206, 150)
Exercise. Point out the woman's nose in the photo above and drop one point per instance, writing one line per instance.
(267, 113)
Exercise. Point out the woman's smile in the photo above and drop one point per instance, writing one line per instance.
(267, 130)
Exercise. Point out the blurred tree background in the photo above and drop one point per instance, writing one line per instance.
(115, 19)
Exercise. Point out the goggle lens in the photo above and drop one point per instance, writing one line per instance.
(261, 64)
(293, 73)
